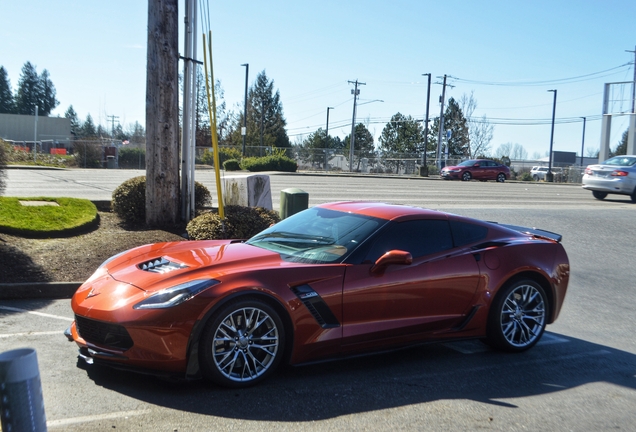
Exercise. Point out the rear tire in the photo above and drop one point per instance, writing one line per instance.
(517, 316)
(633, 196)
(600, 195)
(501, 177)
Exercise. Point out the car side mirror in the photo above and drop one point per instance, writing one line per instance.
(393, 257)
(476, 165)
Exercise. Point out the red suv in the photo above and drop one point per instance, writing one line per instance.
(478, 169)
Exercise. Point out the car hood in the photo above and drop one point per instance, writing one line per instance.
(154, 267)
(453, 167)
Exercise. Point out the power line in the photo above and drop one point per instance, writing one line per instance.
(579, 78)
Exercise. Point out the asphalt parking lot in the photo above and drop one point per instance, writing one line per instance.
(582, 375)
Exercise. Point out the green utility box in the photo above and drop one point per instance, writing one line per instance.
(292, 201)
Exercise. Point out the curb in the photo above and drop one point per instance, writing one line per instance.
(38, 290)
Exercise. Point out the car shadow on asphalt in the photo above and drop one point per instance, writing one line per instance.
(458, 370)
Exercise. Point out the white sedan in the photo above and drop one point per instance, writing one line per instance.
(616, 175)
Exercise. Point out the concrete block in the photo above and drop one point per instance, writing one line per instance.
(247, 191)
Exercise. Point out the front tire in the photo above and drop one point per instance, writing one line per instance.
(242, 344)
(517, 317)
(466, 176)
(599, 195)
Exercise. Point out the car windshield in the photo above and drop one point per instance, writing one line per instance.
(317, 235)
(470, 162)
(621, 161)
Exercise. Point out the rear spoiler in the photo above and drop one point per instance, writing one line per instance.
(533, 232)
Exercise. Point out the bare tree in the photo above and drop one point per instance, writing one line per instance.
(162, 114)
(504, 150)
(518, 152)
(591, 152)
(480, 130)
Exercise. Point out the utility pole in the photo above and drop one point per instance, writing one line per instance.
(162, 114)
(583, 141)
(244, 128)
(352, 140)
(438, 155)
(634, 83)
(424, 173)
(549, 177)
(327, 137)
(112, 119)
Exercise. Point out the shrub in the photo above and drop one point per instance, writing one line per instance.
(129, 199)
(225, 154)
(134, 158)
(240, 223)
(231, 165)
(269, 163)
(526, 176)
(4, 150)
(88, 154)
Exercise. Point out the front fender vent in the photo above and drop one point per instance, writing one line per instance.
(316, 306)
(160, 265)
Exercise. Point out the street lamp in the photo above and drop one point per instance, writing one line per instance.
(244, 128)
(549, 177)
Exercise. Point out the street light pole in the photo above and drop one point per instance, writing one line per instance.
(327, 139)
(583, 141)
(244, 128)
(549, 176)
(424, 171)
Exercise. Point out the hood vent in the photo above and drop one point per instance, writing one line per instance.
(160, 265)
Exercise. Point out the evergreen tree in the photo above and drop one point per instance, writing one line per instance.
(75, 122)
(7, 105)
(315, 148)
(455, 122)
(364, 147)
(34, 90)
(402, 135)
(621, 148)
(265, 120)
(27, 97)
(88, 129)
(47, 101)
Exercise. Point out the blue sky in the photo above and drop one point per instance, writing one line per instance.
(95, 53)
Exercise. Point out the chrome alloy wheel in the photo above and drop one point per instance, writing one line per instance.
(523, 316)
(245, 344)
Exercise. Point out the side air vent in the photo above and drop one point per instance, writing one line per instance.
(316, 306)
(160, 265)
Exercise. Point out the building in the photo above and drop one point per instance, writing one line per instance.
(52, 132)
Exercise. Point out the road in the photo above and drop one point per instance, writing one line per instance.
(582, 376)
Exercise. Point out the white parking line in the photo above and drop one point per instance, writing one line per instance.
(26, 334)
(12, 309)
(86, 419)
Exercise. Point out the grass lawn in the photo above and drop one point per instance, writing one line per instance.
(46, 217)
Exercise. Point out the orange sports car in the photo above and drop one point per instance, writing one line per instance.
(335, 280)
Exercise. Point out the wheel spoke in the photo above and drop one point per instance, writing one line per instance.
(522, 316)
(246, 343)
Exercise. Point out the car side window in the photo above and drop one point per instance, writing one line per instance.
(466, 233)
(418, 237)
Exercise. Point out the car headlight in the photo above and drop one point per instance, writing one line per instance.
(176, 295)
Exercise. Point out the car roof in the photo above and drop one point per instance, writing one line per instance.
(382, 210)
